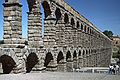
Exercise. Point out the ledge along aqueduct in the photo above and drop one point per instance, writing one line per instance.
(70, 41)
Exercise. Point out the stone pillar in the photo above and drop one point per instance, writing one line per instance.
(50, 36)
(20, 67)
(1, 71)
(74, 37)
(49, 33)
(80, 61)
(69, 65)
(79, 38)
(75, 65)
(13, 32)
(68, 37)
(35, 28)
(60, 34)
(12, 23)
(61, 66)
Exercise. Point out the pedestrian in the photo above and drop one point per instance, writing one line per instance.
(110, 69)
(114, 69)
(117, 68)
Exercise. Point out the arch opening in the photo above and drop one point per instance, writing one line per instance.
(7, 64)
(81, 26)
(68, 56)
(89, 51)
(79, 53)
(78, 24)
(85, 28)
(46, 11)
(66, 18)
(74, 55)
(86, 52)
(60, 57)
(32, 60)
(58, 14)
(72, 22)
(48, 59)
(83, 52)
(31, 4)
(88, 30)
(46, 7)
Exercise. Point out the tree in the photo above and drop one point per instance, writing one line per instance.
(108, 33)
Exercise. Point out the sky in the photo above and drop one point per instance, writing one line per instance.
(104, 14)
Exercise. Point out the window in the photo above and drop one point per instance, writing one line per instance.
(116, 42)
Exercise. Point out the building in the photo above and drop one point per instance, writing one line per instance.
(116, 40)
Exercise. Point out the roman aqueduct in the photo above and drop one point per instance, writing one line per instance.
(70, 40)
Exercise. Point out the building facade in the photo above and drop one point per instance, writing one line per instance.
(70, 40)
(116, 40)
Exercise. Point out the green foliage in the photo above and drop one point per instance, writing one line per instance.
(108, 33)
(116, 55)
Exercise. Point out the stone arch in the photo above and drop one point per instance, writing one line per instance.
(11, 53)
(80, 53)
(66, 18)
(72, 22)
(85, 28)
(68, 56)
(60, 57)
(48, 59)
(31, 4)
(78, 25)
(47, 10)
(86, 52)
(74, 54)
(60, 61)
(88, 30)
(89, 51)
(7, 63)
(58, 13)
(31, 61)
(81, 26)
(83, 53)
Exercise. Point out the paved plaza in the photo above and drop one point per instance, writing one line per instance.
(59, 76)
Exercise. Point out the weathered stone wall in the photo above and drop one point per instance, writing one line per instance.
(70, 41)
(12, 22)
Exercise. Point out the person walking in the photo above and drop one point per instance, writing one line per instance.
(110, 69)
(114, 69)
(117, 69)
